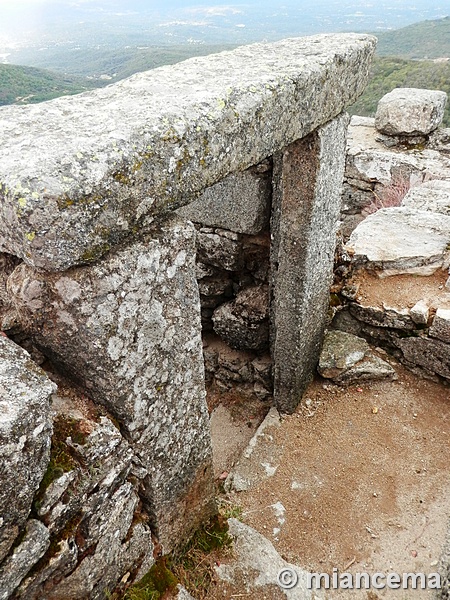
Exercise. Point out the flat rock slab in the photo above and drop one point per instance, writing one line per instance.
(432, 195)
(258, 564)
(259, 459)
(410, 111)
(346, 358)
(402, 240)
(80, 173)
(368, 160)
(128, 329)
(240, 202)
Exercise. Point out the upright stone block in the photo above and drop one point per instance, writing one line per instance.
(25, 430)
(306, 205)
(128, 329)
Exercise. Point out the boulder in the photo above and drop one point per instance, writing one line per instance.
(109, 545)
(420, 312)
(243, 323)
(440, 328)
(428, 353)
(251, 468)
(87, 499)
(219, 248)
(410, 111)
(25, 432)
(240, 202)
(33, 546)
(258, 564)
(397, 318)
(346, 358)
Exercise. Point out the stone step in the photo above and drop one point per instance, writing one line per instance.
(400, 240)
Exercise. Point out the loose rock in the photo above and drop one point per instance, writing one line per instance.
(346, 358)
(410, 111)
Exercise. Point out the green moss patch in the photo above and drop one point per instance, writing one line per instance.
(62, 456)
(191, 566)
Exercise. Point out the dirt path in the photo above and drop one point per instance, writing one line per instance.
(361, 479)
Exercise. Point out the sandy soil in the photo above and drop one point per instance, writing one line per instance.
(402, 291)
(362, 481)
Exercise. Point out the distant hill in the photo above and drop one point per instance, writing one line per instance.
(428, 39)
(89, 70)
(388, 73)
(399, 63)
(25, 85)
(114, 63)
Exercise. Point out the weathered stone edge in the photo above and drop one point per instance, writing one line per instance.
(72, 189)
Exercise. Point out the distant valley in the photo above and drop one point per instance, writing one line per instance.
(413, 56)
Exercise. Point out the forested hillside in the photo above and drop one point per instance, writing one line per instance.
(399, 63)
(428, 39)
(26, 85)
(389, 73)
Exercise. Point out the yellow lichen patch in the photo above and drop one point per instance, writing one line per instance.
(30, 235)
(22, 202)
(121, 177)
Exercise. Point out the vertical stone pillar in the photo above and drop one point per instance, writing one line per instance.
(306, 203)
(127, 328)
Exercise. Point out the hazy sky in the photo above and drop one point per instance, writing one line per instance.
(29, 19)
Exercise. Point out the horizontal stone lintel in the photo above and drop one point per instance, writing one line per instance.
(79, 174)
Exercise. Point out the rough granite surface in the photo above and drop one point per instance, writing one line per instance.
(258, 564)
(98, 527)
(402, 240)
(346, 358)
(377, 175)
(410, 111)
(432, 195)
(25, 430)
(305, 212)
(128, 329)
(78, 174)
(34, 544)
(240, 202)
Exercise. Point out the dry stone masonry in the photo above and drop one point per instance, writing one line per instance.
(397, 152)
(200, 198)
(397, 284)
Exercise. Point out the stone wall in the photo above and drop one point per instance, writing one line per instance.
(400, 149)
(393, 275)
(111, 290)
